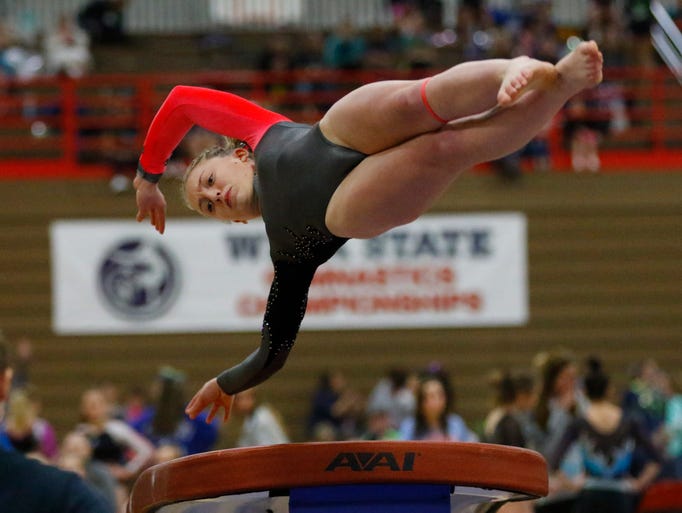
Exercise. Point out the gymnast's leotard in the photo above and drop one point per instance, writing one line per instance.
(298, 170)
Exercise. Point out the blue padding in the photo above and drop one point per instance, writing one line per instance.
(371, 498)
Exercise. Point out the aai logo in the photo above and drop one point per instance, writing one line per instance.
(369, 461)
(138, 279)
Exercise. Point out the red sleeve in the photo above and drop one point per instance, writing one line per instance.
(217, 111)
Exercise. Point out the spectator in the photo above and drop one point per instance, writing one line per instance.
(673, 429)
(344, 48)
(379, 425)
(607, 437)
(18, 425)
(335, 404)
(76, 455)
(125, 451)
(639, 20)
(166, 422)
(558, 399)
(526, 401)
(26, 430)
(584, 128)
(502, 426)
(644, 397)
(434, 419)
(103, 20)
(112, 395)
(416, 49)
(394, 394)
(506, 423)
(67, 49)
(44, 432)
(28, 486)
(17, 59)
(554, 412)
(137, 409)
(261, 424)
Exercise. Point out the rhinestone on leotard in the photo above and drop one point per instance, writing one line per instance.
(306, 246)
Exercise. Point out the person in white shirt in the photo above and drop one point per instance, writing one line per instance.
(261, 425)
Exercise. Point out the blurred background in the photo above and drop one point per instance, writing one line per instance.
(600, 190)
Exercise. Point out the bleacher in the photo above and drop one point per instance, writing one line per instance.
(83, 127)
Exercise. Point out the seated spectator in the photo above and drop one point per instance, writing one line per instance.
(645, 400)
(525, 402)
(434, 418)
(344, 48)
(18, 59)
(673, 429)
(644, 397)
(18, 427)
(261, 423)
(166, 423)
(137, 410)
(379, 425)
(607, 437)
(558, 401)
(336, 404)
(103, 21)
(502, 425)
(76, 455)
(67, 49)
(394, 394)
(125, 451)
(43, 430)
(26, 430)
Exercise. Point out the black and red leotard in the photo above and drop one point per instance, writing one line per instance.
(298, 170)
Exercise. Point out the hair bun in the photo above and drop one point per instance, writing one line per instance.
(594, 364)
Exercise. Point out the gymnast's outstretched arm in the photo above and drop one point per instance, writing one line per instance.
(284, 312)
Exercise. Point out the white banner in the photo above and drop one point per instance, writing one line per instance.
(203, 276)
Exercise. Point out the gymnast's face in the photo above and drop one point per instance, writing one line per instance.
(222, 187)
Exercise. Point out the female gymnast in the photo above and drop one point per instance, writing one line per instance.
(377, 159)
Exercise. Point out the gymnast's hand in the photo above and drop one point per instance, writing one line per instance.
(150, 202)
(210, 394)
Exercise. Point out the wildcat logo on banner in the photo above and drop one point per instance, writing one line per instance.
(446, 270)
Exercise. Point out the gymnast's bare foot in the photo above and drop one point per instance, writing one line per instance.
(581, 69)
(524, 74)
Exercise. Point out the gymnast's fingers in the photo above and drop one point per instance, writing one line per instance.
(212, 413)
(161, 221)
(191, 408)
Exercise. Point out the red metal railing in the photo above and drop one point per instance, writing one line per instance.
(53, 127)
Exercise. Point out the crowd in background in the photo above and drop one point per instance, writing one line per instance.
(416, 40)
(601, 443)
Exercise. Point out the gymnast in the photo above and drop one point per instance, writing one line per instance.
(377, 159)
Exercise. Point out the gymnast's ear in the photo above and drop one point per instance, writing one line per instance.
(242, 154)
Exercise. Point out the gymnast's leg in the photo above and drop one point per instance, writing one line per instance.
(380, 115)
(396, 186)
